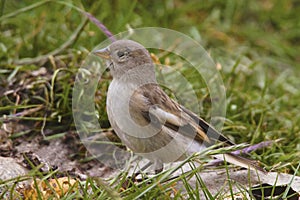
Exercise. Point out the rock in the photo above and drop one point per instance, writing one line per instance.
(9, 169)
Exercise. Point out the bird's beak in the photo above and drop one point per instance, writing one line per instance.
(103, 53)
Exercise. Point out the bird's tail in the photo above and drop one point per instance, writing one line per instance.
(240, 161)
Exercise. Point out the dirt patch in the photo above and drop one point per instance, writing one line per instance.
(65, 153)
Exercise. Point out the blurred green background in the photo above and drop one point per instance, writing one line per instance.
(269, 26)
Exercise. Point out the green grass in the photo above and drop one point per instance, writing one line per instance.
(256, 43)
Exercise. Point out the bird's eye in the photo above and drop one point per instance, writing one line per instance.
(120, 54)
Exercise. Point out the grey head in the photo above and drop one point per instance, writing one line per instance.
(126, 55)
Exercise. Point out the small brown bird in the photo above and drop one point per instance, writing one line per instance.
(146, 119)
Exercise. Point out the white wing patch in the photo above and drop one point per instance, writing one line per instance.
(164, 116)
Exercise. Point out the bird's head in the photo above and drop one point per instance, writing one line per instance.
(125, 55)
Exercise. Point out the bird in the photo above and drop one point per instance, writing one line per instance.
(146, 119)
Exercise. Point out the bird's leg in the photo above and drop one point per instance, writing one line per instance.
(132, 179)
(141, 170)
(158, 166)
(157, 171)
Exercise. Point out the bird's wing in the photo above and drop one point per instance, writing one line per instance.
(207, 128)
(157, 108)
(152, 105)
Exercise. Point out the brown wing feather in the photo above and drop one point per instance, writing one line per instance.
(185, 122)
(208, 129)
